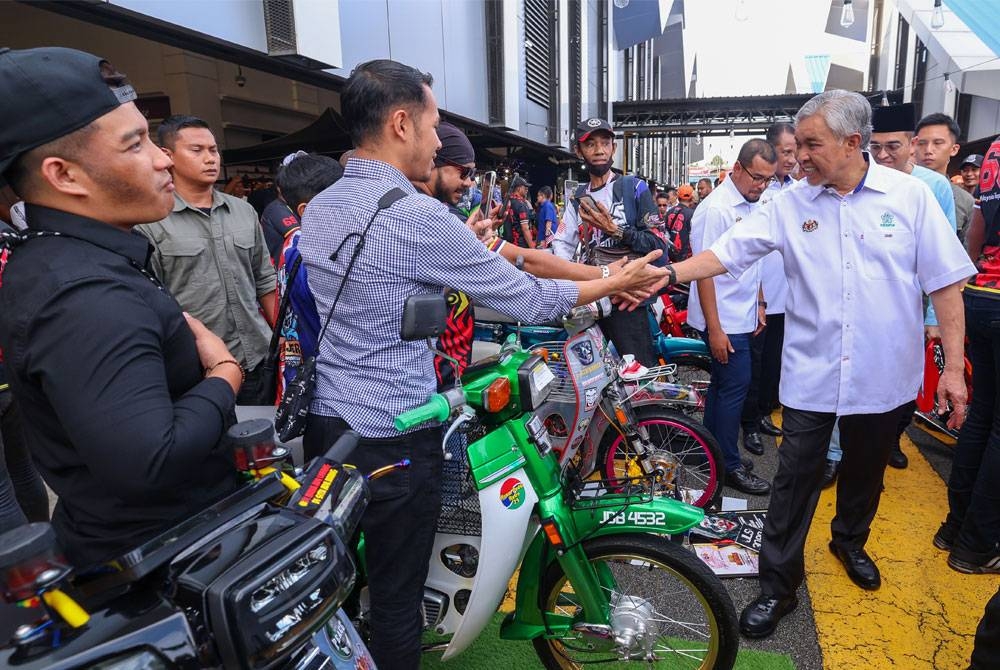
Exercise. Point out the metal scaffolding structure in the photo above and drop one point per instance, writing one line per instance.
(740, 115)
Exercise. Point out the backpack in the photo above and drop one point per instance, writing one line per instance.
(619, 187)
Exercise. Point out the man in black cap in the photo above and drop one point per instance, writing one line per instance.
(890, 146)
(970, 172)
(124, 398)
(517, 218)
(621, 225)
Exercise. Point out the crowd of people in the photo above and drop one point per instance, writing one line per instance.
(140, 304)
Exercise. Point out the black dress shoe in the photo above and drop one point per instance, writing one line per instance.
(768, 428)
(747, 482)
(761, 617)
(859, 565)
(830, 473)
(898, 459)
(752, 443)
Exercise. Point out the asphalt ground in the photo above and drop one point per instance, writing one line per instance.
(924, 616)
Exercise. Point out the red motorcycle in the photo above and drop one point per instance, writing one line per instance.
(671, 313)
(927, 399)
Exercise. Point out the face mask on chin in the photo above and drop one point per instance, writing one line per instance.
(598, 170)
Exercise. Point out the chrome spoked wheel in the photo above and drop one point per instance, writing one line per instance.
(667, 610)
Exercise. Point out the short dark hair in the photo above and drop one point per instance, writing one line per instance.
(661, 194)
(166, 134)
(756, 147)
(669, 189)
(776, 130)
(546, 191)
(374, 89)
(21, 173)
(705, 180)
(939, 119)
(306, 176)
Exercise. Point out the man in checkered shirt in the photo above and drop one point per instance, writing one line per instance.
(366, 375)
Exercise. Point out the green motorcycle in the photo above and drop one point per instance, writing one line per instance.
(603, 573)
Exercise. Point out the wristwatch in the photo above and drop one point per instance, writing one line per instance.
(617, 235)
(605, 272)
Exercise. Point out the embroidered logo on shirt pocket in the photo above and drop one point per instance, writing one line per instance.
(888, 254)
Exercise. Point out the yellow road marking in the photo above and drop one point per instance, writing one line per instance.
(925, 615)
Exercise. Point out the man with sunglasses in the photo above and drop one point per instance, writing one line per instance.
(730, 311)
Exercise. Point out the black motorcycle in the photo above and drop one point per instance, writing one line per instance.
(255, 581)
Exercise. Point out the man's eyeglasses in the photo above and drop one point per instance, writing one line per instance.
(464, 171)
(890, 147)
(756, 178)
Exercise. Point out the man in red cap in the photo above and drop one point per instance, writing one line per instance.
(609, 218)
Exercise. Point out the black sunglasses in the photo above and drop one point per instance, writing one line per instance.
(464, 171)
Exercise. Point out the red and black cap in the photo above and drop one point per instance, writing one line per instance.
(48, 93)
(588, 126)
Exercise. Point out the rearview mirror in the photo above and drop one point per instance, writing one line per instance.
(424, 315)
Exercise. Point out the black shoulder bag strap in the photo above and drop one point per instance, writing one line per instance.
(385, 202)
(290, 417)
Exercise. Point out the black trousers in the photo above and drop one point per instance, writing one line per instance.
(867, 440)
(631, 334)
(258, 387)
(770, 364)
(750, 419)
(399, 527)
(986, 651)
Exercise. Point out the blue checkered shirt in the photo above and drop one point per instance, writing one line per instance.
(365, 373)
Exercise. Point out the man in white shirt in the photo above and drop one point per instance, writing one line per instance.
(730, 311)
(891, 145)
(765, 349)
(860, 243)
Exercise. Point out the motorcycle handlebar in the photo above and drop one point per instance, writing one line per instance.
(436, 409)
(341, 450)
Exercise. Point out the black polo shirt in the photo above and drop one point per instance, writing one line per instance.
(123, 425)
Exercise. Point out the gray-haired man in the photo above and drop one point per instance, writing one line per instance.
(860, 242)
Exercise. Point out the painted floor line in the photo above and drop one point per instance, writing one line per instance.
(925, 615)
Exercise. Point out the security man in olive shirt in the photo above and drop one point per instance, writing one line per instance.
(124, 397)
(211, 255)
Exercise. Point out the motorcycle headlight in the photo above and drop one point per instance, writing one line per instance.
(535, 380)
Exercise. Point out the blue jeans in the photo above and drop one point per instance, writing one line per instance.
(724, 402)
(974, 485)
(835, 453)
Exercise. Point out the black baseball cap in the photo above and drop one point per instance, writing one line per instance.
(588, 126)
(519, 181)
(48, 93)
(973, 159)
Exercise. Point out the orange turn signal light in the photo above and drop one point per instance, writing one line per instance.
(552, 533)
(496, 396)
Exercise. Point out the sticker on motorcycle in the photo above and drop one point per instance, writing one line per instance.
(512, 493)
(591, 398)
(585, 352)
